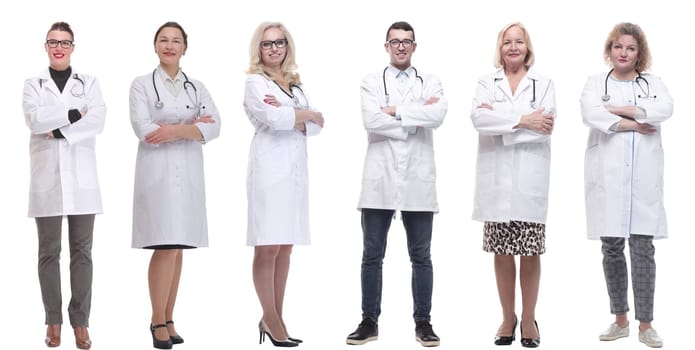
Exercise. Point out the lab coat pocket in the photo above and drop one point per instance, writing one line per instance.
(534, 170)
(44, 170)
(86, 167)
(591, 168)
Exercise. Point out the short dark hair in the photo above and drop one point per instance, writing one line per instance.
(402, 26)
(172, 25)
(61, 26)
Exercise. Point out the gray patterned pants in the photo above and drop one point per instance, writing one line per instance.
(643, 271)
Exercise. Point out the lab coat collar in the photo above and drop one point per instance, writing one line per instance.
(393, 71)
(503, 83)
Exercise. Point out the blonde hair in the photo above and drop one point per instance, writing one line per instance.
(530, 57)
(644, 56)
(288, 65)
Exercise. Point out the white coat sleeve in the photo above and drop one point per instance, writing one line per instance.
(311, 128)
(547, 102)
(140, 118)
(425, 116)
(594, 113)
(41, 119)
(92, 123)
(499, 120)
(276, 118)
(657, 109)
(209, 131)
(375, 121)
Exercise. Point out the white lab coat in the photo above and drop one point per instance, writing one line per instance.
(169, 198)
(513, 165)
(623, 171)
(399, 171)
(277, 181)
(63, 171)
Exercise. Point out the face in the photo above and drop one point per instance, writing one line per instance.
(624, 53)
(170, 46)
(59, 56)
(273, 56)
(398, 52)
(514, 49)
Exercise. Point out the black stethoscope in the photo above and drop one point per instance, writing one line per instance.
(196, 102)
(291, 94)
(646, 93)
(73, 91)
(532, 102)
(383, 78)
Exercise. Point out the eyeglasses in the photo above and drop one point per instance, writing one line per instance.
(406, 43)
(268, 44)
(66, 44)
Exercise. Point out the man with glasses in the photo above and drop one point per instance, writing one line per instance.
(400, 109)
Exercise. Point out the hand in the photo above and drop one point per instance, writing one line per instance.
(627, 124)
(390, 110)
(165, 133)
(484, 105)
(537, 121)
(204, 119)
(271, 100)
(318, 118)
(432, 100)
(300, 126)
(49, 135)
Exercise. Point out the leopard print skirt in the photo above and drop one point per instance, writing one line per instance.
(514, 238)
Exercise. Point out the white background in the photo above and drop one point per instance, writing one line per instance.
(337, 44)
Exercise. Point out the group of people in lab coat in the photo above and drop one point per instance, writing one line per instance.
(513, 111)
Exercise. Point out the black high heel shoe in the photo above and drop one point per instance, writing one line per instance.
(296, 340)
(175, 339)
(507, 340)
(531, 342)
(263, 331)
(160, 344)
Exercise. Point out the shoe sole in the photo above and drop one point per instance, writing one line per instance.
(361, 341)
(427, 344)
(651, 345)
(611, 338)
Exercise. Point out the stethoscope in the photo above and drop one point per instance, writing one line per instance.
(646, 93)
(195, 102)
(532, 102)
(383, 78)
(73, 91)
(291, 93)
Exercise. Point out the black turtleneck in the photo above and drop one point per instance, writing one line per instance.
(60, 78)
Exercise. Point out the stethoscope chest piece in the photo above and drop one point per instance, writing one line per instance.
(159, 104)
(605, 98)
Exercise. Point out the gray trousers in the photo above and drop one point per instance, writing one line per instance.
(80, 228)
(643, 268)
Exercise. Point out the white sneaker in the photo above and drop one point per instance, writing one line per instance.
(614, 332)
(651, 338)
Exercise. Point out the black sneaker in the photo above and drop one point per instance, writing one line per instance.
(425, 335)
(367, 331)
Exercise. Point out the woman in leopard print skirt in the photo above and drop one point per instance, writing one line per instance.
(514, 113)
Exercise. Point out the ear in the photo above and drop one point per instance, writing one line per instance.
(386, 46)
(414, 46)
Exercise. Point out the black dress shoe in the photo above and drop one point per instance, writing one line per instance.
(175, 339)
(425, 335)
(263, 330)
(531, 342)
(296, 340)
(367, 331)
(160, 344)
(505, 339)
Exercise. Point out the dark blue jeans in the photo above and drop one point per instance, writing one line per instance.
(418, 228)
